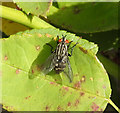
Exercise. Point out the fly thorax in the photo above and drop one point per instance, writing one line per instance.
(61, 54)
(61, 50)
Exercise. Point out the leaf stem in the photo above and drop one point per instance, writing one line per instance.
(110, 66)
(111, 102)
(22, 18)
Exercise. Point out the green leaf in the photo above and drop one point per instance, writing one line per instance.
(36, 8)
(89, 91)
(22, 18)
(86, 17)
(66, 4)
(10, 27)
(71, 1)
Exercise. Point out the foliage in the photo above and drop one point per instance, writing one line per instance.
(24, 53)
(89, 88)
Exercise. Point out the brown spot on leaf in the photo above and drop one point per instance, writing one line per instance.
(82, 93)
(66, 88)
(91, 78)
(52, 82)
(59, 108)
(69, 104)
(77, 102)
(83, 50)
(17, 71)
(5, 58)
(47, 108)
(36, 8)
(48, 35)
(94, 107)
(37, 47)
(33, 71)
(104, 86)
(39, 35)
(97, 92)
(83, 79)
(76, 10)
(27, 97)
(77, 84)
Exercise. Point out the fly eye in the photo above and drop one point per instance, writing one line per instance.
(59, 40)
(66, 41)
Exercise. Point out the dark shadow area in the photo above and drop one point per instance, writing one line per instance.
(105, 40)
(115, 94)
(37, 65)
(55, 3)
(5, 111)
(3, 35)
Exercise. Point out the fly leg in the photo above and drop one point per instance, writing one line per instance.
(69, 44)
(72, 49)
(58, 39)
(51, 47)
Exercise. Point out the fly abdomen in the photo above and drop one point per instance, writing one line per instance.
(59, 67)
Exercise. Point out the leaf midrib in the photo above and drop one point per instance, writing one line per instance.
(59, 83)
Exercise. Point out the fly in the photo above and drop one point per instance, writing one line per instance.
(59, 60)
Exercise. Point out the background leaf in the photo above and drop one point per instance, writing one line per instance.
(86, 1)
(10, 27)
(65, 3)
(86, 17)
(89, 90)
(36, 8)
(88, 20)
(105, 40)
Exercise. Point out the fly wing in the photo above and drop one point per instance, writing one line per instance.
(49, 64)
(68, 70)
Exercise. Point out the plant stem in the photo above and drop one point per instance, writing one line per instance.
(110, 66)
(22, 18)
(110, 101)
